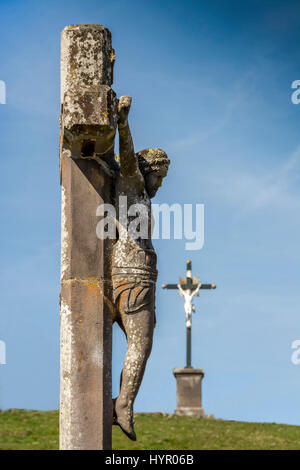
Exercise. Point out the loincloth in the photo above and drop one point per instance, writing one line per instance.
(135, 294)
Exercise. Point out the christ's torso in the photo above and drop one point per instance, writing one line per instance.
(133, 256)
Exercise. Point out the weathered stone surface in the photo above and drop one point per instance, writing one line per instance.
(86, 317)
(87, 58)
(85, 186)
(189, 392)
(90, 108)
(89, 105)
(88, 126)
(89, 122)
(85, 403)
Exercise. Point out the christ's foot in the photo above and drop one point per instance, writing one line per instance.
(122, 416)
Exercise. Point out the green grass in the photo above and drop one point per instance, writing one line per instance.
(25, 429)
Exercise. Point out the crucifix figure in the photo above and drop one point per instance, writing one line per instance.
(189, 307)
(189, 288)
(134, 270)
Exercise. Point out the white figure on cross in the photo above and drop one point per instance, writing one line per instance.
(189, 307)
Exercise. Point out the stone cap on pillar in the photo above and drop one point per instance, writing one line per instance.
(188, 371)
(88, 103)
(87, 58)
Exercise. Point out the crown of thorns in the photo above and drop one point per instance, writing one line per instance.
(153, 159)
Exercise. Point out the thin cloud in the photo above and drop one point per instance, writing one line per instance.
(237, 97)
(279, 188)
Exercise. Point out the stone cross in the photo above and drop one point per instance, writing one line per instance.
(189, 288)
(88, 127)
(104, 278)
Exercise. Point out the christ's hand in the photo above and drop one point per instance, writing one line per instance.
(123, 109)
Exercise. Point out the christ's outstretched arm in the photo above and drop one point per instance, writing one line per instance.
(195, 292)
(181, 291)
(128, 159)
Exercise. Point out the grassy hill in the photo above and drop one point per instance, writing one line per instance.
(25, 429)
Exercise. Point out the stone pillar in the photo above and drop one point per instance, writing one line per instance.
(88, 126)
(189, 392)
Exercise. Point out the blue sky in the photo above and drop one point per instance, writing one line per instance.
(211, 85)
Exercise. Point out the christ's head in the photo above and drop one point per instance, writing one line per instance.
(153, 164)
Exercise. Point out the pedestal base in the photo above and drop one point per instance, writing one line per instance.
(189, 411)
(189, 392)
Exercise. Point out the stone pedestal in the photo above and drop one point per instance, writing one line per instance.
(189, 392)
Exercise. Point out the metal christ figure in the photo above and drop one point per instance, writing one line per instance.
(189, 307)
(134, 271)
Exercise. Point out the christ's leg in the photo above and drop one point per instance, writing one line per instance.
(139, 328)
